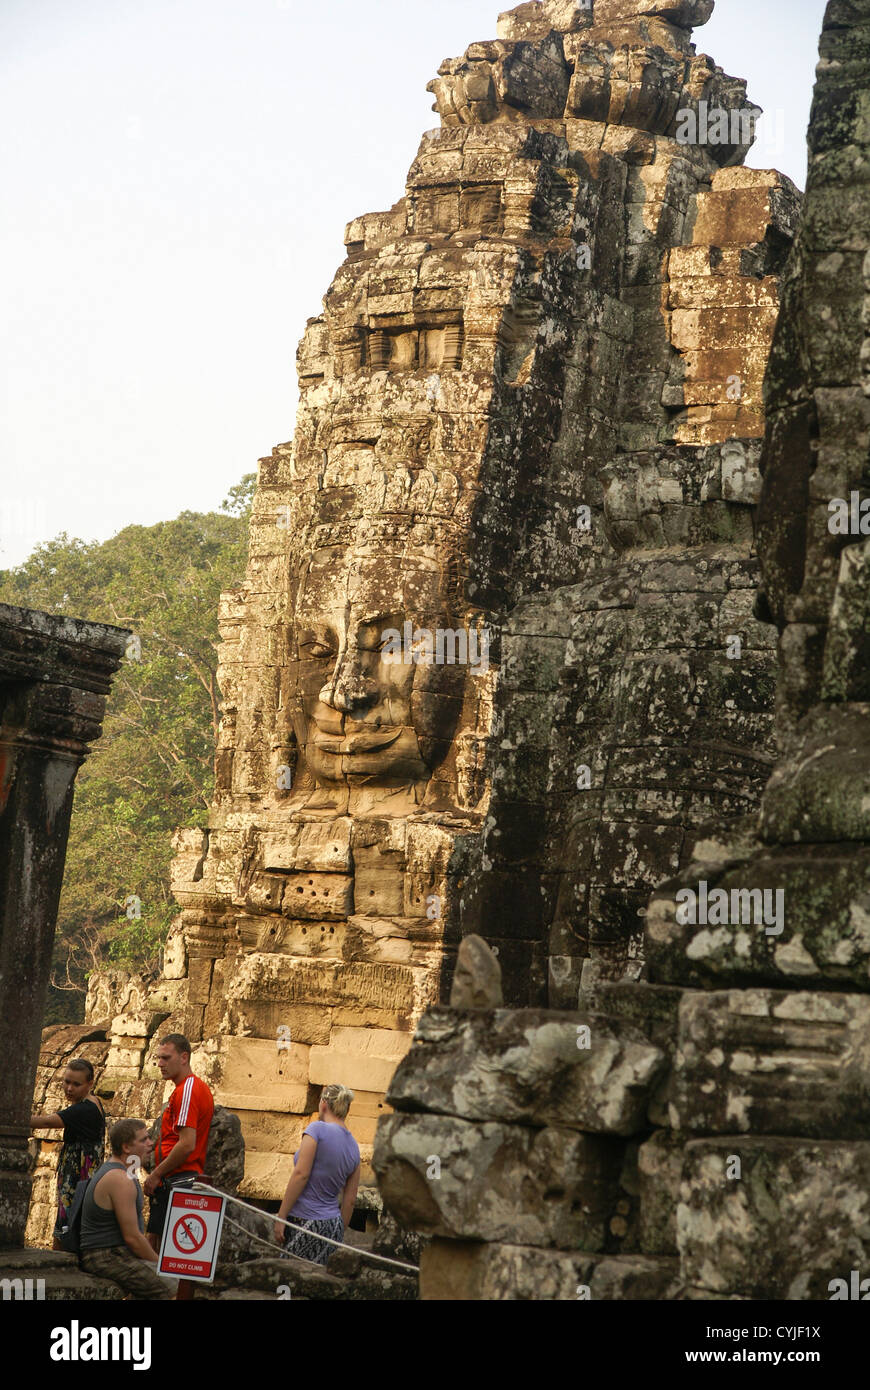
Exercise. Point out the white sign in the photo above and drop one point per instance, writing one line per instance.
(191, 1236)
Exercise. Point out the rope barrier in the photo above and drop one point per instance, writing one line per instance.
(339, 1244)
(269, 1244)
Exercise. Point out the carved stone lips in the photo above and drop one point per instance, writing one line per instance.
(357, 743)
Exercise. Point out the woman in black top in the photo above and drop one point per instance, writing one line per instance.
(84, 1130)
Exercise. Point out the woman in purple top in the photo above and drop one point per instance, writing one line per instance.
(321, 1193)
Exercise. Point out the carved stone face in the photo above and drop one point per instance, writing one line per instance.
(364, 716)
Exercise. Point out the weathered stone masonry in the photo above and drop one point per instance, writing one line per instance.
(712, 1141)
(530, 410)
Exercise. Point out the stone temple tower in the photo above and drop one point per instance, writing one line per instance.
(494, 666)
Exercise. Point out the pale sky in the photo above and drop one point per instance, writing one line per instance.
(176, 176)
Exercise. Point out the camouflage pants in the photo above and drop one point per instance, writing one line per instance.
(136, 1276)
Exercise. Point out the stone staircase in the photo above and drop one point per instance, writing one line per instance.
(50, 1276)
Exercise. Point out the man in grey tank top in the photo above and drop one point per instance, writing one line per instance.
(113, 1243)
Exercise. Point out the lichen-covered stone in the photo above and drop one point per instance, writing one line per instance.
(796, 1217)
(477, 978)
(52, 1276)
(55, 676)
(825, 937)
(529, 1067)
(822, 792)
(499, 1182)
(516, 444)
(660, 1169)
(768, 1062)
(775, 1052)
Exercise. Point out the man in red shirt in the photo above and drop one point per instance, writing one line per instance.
(181, 1149)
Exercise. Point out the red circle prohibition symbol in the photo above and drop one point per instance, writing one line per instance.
(188, 1234)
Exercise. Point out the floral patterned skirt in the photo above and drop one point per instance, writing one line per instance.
(77, 1161)
(305, 1245)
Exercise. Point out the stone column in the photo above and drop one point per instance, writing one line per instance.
(454, 336)
(379, 351)
(55, 674)
(206, 942)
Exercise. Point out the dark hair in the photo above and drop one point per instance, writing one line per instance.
(80, 1064)
(178, 1041)
(124, 1132)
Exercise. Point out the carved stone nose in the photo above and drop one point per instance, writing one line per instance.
(349, 691)
(347, 698)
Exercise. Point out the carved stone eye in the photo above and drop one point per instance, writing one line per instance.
(317, 650)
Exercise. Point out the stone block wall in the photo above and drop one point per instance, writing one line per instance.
(519, 1146)
(723, 298)
(656, 1144)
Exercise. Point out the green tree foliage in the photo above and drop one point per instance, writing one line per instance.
(152, 770)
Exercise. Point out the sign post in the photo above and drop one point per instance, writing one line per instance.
(191, 1236)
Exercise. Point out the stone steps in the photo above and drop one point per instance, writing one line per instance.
(50, 1276)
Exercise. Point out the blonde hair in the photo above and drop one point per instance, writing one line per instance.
(338, 1098)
